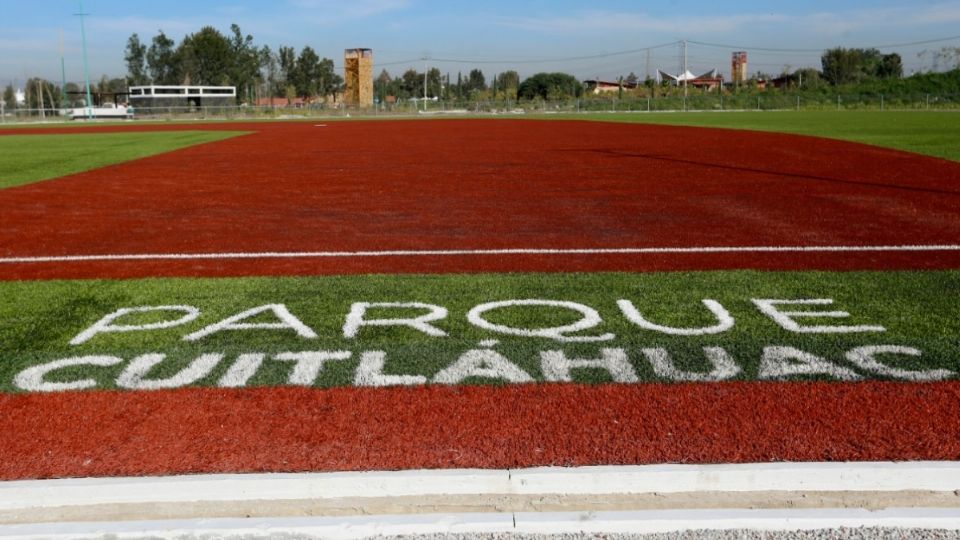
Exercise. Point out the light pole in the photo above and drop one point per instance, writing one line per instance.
(86, 69)
(63, 76)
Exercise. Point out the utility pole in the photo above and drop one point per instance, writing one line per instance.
(63, 75)
(684, 68)
(425, 82)
(86, 69)
(648, 66)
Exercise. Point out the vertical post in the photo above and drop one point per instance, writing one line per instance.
(648, 103)
(86, 69)
(838, 102)
(63, 75)
(798, 103)
(882, 102)
(424, 83)
(648, 66)
(758, 103)
(721, 100)
(928, 101)
(684, 75)
(43, 113)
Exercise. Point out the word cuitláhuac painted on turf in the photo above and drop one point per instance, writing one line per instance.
(483, 362)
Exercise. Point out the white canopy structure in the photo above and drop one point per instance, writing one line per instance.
(678, 79)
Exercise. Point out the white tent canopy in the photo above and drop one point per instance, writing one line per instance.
(664, 76)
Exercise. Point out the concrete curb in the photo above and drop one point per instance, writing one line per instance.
(657, 498)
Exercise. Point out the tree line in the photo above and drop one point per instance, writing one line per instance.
(209, 57)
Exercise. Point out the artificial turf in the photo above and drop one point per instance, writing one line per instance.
(25, 159)
(934, 133)
(38, 320)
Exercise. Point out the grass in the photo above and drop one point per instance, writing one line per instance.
(931, 133)
(25, 159)
(39, 319)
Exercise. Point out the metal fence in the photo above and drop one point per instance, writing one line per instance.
(710, 102)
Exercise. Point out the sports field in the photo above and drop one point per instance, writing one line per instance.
(460, 293)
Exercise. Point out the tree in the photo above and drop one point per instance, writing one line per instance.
(808, 78)
(306, 73)
(434, 83)
(10, 97)
(287, 56)
(330, 82)
(632, 80)
(550, 86)
(206, 57)
(509, 82)
(41, 93)
(949, 57)
(848, 66)
(162, 61)
(269, 71)
(891, 67)
(136, 59)
(381, 85)
(475, 82)
(245, 62)
(411, 84)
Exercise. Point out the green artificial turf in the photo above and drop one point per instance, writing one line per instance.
(26, 159)
(932, 133)
(38, 319)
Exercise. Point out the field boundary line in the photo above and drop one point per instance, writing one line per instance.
(714, 250)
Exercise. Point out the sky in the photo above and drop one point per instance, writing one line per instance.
(599, 38)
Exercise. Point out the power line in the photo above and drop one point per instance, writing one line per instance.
(566, 59)
(771, 49)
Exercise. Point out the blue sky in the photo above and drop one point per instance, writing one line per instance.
(526, 35)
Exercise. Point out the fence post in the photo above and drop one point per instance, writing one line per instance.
(798, 103)
(721, 99)
(838, 102)
(758, 103)
(928, 101)
(882, 104)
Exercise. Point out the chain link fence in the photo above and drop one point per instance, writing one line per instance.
(713, 102)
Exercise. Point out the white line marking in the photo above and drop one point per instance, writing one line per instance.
(476, 252)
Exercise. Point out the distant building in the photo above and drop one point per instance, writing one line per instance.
(602, 87)
(20, 97)
(182, 96)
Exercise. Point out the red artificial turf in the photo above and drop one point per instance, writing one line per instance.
(288, 429)
(475, 184)
(466, 184)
